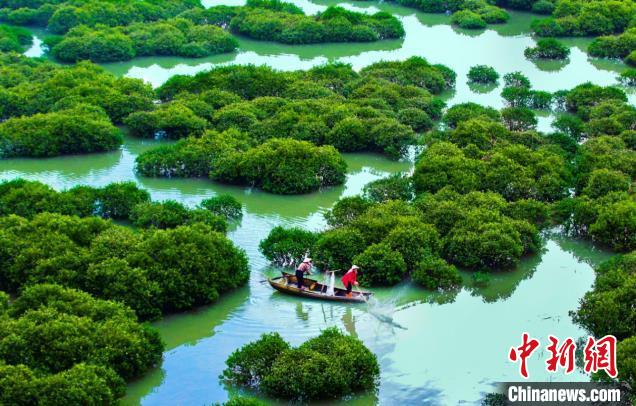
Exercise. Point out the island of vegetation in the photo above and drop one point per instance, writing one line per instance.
(470, 14)
(621, 46)
(607, 310)
(628, 78)
(483, 188)
(59, 16)
(84, 283)
(547, 48)
(173, 37)
(274, 20)
(106, 31)
(63, 346)
(14, 39)
(586, 18)
(177, 259)
(227, 117)
(328, 367)
(226, 120)
(482, 74)
(48, 110)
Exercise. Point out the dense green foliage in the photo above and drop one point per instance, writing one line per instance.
(28, 198)
(387, 240)
(282, 166)
(225, 206)
(14, 39)
(153, 271)
(287, 246)
(608, 310)
(478, 229)
(536, 6)
(396, 187)
(332, 360)
(51, 110)
(175, 37)
(248, 365)
(614, 46)
(79, 130)
(59, 345)
(59, 16)
(518, 93)
(62, 346)
(171, 214)
(121, 32)
(628, 78)
(476, 160)
(465, 111)
(486, 183)
(250, 82)
(466, 13)
(604, 207)
(382, 265)
(274, 20)
(231, 115)
(435, 273)
(586, 18)
(483, 187)
(482, 74)
(547, 48)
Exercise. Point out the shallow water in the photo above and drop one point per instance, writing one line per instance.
(427, 35)
(440, 348)
(440, 353)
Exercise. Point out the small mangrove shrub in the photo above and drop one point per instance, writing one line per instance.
(225, 206)
(328, 367)
(287, 246)
(435, 273)
(628, 78)
(482, 74)
(547, 48)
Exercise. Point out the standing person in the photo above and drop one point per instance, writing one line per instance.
(303, 268)
(350, 278)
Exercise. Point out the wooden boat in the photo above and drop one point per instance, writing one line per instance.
(287, 283)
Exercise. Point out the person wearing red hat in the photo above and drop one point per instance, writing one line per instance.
(350, 279)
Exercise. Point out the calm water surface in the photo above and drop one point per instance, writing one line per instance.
(439, 348)
(427, 35)
(442, 349)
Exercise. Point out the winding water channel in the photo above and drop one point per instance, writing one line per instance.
(442, 349)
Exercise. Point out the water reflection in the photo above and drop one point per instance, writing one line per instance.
(301, 314)
(349, 322)
(101, 169)
(551, 65)
(427, 35)
(482, 88)
(469, 329)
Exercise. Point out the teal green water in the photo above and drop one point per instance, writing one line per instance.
(427, 35)
(440, 348)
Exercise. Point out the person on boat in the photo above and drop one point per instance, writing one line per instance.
(350, 279)
(303, 268)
